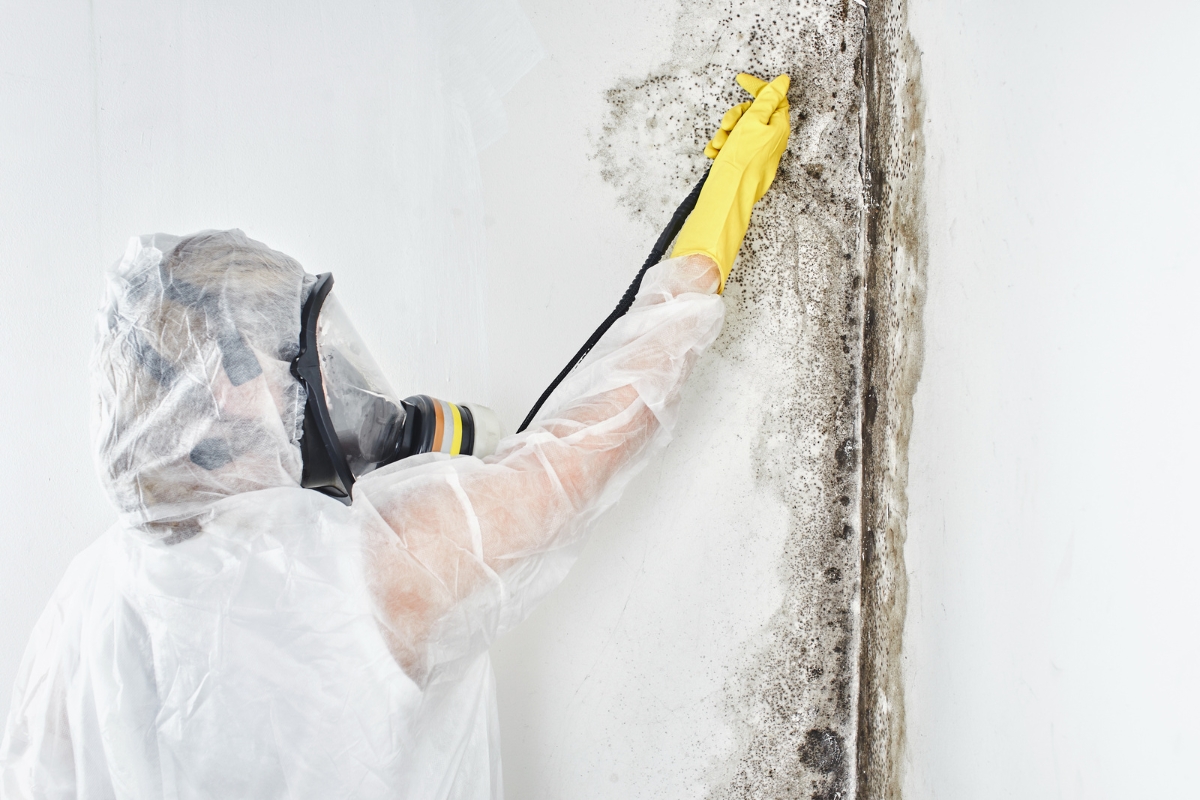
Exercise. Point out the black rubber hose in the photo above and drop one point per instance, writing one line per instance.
(656, 255)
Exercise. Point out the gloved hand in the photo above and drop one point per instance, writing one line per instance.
(746, 149)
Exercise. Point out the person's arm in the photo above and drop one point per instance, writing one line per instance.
(473, 544)
(457, 530)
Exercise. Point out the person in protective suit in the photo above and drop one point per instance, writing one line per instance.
(238, 635)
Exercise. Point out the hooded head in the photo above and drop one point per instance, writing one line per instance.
(194, 396)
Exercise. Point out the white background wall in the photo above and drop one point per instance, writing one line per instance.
(1052, 642)
(52, 255)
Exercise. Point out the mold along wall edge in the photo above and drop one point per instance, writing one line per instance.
(896, 259)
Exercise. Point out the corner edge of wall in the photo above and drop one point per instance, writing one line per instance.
(896, 260)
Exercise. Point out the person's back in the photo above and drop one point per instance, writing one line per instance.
(244, 661)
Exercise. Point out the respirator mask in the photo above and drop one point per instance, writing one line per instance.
(353, 421)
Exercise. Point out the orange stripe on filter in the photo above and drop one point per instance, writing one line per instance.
(439, 425)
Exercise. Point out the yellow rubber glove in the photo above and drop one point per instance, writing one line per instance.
(746, 149)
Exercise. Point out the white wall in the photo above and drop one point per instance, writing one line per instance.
(1051, 641)
(51, 217)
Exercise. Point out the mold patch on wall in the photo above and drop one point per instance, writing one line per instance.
(795, 316)
(825, 303)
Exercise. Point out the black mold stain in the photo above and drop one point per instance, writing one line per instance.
(823, 751)
(794, 307)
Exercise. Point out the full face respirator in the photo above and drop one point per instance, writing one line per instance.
(353, 421)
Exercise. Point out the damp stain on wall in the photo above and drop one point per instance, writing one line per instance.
(897, 259)
(824, 302)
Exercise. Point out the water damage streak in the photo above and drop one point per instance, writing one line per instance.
(892, 357)
(795, 306)
(824, 303)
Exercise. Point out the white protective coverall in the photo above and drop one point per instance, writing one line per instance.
(237, 636)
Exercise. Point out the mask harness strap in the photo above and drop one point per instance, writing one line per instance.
(656, 255)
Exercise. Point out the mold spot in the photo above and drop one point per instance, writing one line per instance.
(846, 455)
(822, 750)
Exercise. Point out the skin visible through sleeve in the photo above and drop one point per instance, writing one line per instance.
(515, 504)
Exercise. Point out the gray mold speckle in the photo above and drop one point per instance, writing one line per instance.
(795, 312)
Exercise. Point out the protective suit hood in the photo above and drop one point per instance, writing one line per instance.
(193, 398)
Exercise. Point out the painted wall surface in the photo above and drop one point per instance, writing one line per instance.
(1051, 641)
(51, 259)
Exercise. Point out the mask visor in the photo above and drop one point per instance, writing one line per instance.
(368, 419)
